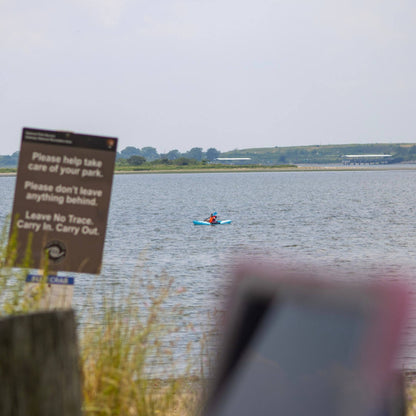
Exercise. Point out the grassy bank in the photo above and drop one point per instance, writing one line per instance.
(8, 171)
(193, 167)
(154, 168)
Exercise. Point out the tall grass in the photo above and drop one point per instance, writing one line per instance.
(127, 360)
(14, 299)
(411, 395)
(128, 365)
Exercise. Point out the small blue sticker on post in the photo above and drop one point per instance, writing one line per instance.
(52, 279)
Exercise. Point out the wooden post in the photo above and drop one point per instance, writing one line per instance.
(39, 366)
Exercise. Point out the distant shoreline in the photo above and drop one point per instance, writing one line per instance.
(240, 169)
(314, 168)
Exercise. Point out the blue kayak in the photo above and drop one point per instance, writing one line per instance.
(208, 223)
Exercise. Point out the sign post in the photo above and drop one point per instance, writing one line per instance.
(62, 197)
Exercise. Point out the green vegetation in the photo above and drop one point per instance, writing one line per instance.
(13, 297)
(324, 154)
(7, 170)
(9, 161)
(184, 164)
(147, 158)
(273, 156)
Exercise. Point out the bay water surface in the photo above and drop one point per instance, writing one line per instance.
(357, 222)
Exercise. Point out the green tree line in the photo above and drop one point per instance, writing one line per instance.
(9, 161)
(134, 156)
(319, 154)
(324, 154)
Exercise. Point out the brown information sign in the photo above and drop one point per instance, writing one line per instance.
(62, 197)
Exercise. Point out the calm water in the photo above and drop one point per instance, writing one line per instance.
(354, 221)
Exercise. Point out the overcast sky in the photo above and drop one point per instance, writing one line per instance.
(177, 74)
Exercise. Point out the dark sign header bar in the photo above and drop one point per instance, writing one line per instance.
(66, 138)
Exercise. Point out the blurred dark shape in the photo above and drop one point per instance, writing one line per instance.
(300, 344)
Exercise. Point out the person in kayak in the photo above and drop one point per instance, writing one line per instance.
(213, 218)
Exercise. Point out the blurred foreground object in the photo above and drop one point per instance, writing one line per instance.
(298, 344)
(39, 365)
